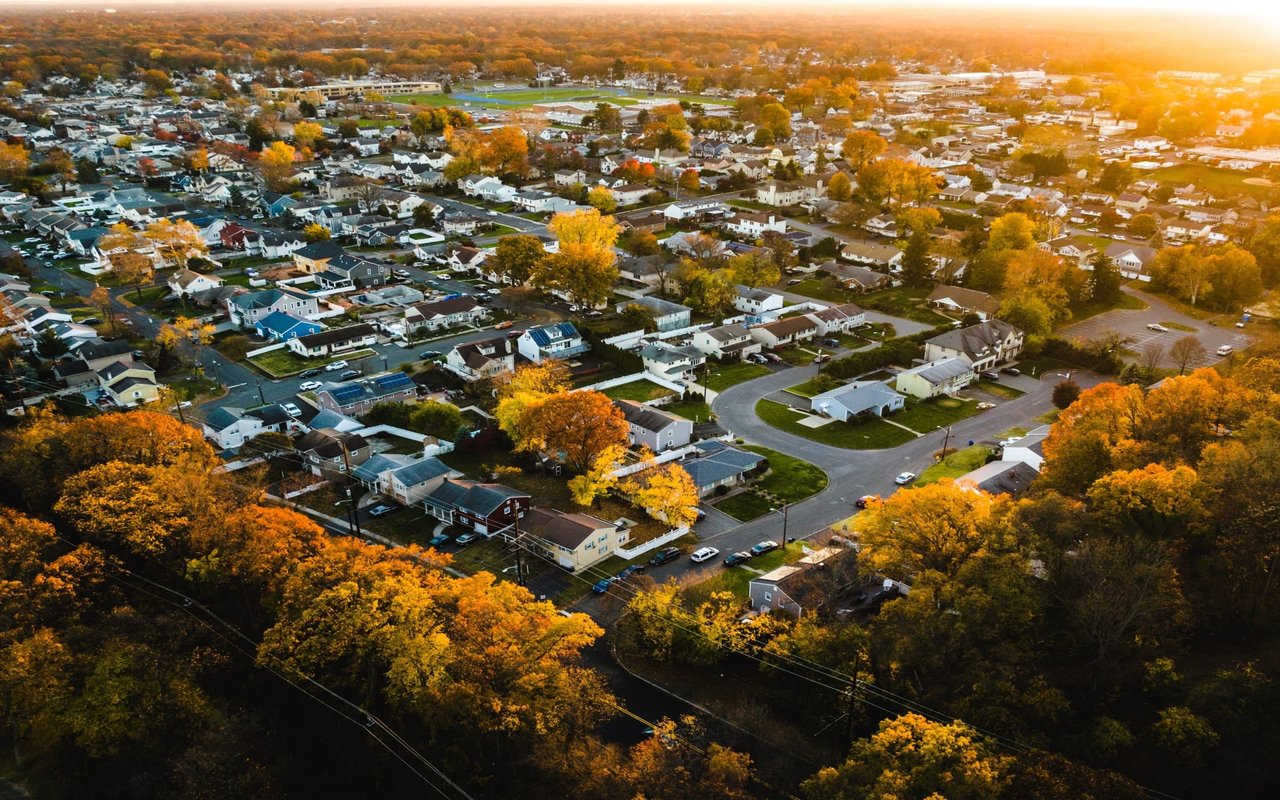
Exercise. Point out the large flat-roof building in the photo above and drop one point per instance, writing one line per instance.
(348, 88)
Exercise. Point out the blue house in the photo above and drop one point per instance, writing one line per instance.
(281, 327)
(277, 204)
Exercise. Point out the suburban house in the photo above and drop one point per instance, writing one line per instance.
(485, 508)
(781, 195)
(872, 254)
(654, 428)
(356, 398)
(1133, 260)
(486, 358)
(1076, 249)
(1029, 449)
(858, 279)
(838, 319)
(97, 355)
(314, 257)
(185, 282)
(247, 308)
(1000, 477)
(667, 316)
(960, 300)
(713, 464)
(670, 361)
(229, 428)
(558, 340)
(347, 271)
(405, 479)
(279, 326)
(805, 585)
(935, 378)
(334, 341)
(731, 341)
(757, 301)
(331, 453)
(857, 399)
(465, 258)
(784, 331)
(443, 314)
(574, 541)
(984, 345)
(753, 226)
(128, 383)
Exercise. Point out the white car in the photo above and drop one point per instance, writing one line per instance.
(292, 410)
(703, 554)
(335, 366)
(1156, 326)
(309, 386)
(905, 478)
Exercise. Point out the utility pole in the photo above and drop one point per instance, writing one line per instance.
(261, 397)
(945, 440)
(355, 513)
(519, 555)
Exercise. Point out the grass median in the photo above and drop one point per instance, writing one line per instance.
(873, 434)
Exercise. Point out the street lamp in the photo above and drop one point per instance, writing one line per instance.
(785, 508)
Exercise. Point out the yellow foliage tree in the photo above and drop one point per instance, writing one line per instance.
(276, 165)
(667, 493)
(176, 241)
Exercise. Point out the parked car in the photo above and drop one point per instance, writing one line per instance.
(602, 585)
(309, 386)
(309, 373)
(502, 326)
(1011, 371)
(760, 548)
(91, 321)
(794, 281)
(467, 538)
(1156, 326)
(438, 539)
(349, 374)
(984, 405)
(990, 375)
(830, 342)
(631, 569)
(425, 354)
(905, 478)
(772, 358)
(403, 274)
(495, 291)
(822, 358)
(865, 500)
(703, 554)
(699, 515)
(736, 559)
(382, 509)
(756, 358)
(1225, 350)
(334, 366)
(292, 410)
(664, 556)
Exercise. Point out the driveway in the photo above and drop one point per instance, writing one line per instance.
(1132, 324)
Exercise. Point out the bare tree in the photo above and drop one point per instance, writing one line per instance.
(1186, 353)
(367, 194)
(1152, 354)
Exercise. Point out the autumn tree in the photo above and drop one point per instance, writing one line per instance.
(124, 249)
(860, 147)
(516, 258)
(840, 188)
(689, 182)
(912, 756)
(666, 492)
(775, 118)
(276, 165)
(315, 232)
(100, 298)
(575, 427)
(754, 269)
(176, 242)
(522, 390)
(13, 161)
(1186, 353)
(584, 267)
(305, 134)
(601, 199)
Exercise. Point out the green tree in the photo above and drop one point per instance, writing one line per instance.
(1104, 280)
(441, 420)
(516, 258)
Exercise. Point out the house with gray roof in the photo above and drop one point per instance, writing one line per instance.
(229, 427)
(667, 316)
(731, 341)
(1001, 477)
(858, 399)
(935, 378)
(485, 508)
(714, 463)
(654, 428)
(357, 397)
(1028, 449)
(670, 361)
(405, 479)
(246, 308)
(984, 345)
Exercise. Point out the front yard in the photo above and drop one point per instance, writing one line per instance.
(695, 410)
(939, 412)
(954, 465)
(639, 391)
(903, 302)
(738, 579)
(723, 376)
(873, 434)
(790, 480)
(283, 363)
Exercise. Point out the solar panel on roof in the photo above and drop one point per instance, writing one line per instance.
(348, 392)
(395, 380)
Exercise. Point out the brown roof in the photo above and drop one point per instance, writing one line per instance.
(558, 527)
(789, 326)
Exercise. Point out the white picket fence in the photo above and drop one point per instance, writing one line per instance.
(631, 552)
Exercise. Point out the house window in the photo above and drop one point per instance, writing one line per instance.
(768, 596)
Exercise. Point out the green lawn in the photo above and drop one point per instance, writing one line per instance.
(1214, 179)
(997, 389)
(903, 302)
(745, 507)
(722, 377)
(825, 288)
(695, 410)
(1126, 302)
(938, 412)
(954, 465)
(810, 388)
(639, 391)
(790, 479)
(738, 579)
(282, 363)
(873, 434)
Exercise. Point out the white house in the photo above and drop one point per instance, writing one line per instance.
(673, 362)
(753, 226)
(784, 331)
(757, 301)
(559, 340)
(726, 341)
(654, 428)
(984, 345)
(857, 399)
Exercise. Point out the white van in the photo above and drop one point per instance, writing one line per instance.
(1225, 350)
